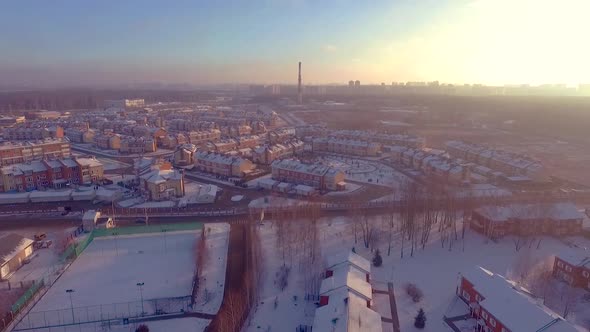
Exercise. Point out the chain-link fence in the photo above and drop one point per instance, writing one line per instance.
(104, 313)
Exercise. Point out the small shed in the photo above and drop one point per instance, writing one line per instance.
(14, 250)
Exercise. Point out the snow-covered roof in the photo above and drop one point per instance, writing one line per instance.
(346, 312)
(511, 306)
(12, 244)
(349, 258)
(557, 211)
(160, 176)
(90, 162)
(68, 162)
(347, 277)
(304, 188)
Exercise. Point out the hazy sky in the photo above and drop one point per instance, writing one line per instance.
(124, 41)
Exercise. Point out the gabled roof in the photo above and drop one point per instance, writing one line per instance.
(349, 258)
(510, 304)
(350, 278)
(346, 312)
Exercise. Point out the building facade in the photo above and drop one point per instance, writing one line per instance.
(318, 176)
(14, 153)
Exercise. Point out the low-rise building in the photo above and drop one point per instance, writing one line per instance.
(91, 170)
(14, 251)
(35, 132)
(268, 153)
(346, 146)
(107, 141)
(558, 219)
(346, 297)
(137, 145)
(499, 305)
(318, 176)
(184, 155)
(573, 268)
(220, 164)
(161, 182)
(14, 153)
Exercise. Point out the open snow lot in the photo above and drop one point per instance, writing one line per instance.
(168, 325)
(104, 278)
(434, 269)
(365, 171)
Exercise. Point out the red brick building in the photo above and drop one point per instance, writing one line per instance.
(556, 219)
(573, 269)
(499, 305)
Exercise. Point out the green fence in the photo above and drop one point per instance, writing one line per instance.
(26, 297)
(132, 230)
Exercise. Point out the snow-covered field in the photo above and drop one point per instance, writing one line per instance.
(434, 270)
(104, 278)
(168, 325)
(365, 171)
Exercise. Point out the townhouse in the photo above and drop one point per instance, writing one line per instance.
(14, 153)
(223, 165)
(499, 305)
(557, 219)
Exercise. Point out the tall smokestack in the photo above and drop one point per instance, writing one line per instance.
(299, 92)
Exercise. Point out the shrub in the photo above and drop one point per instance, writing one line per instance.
(414, 292)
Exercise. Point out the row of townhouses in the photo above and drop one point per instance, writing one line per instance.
(510, 163)
(20, 152)
(318, 176)
(346, 146)
(50, 174)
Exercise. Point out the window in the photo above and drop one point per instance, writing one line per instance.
(559, 264)
(492, 322)
(586, 274)
(466, 295)
(477, 298)
(484, 315)
(568, 268)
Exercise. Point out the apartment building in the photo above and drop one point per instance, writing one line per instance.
(318, 176)
(108, 141)
(346, 146)
(14, 153)
(25, 133)
(50, 173)
(268, 153)
(137, 145)
(220, 164)
(161, 182)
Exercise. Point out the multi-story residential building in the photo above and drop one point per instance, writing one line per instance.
(346, 146)
(222, 146)
(282, 135)
(91, 170)
(184, 155)
(223, 165)
(124, 103)
(137, 145)
(499, 305)
(204, 136)
(558, 219)
(318, 176)
(573, 268)
(378, 137)
(25, 133)
(171, 141)
(79, 135)
(14, 153)
(50, 173)
(162, 182)
(346, 297)
(506, 162)
(249, 141)
(267, 154)
(107, 141)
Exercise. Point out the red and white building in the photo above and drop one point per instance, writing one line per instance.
(556, 219)
(573, 269)
(499, 305)
(346, 297)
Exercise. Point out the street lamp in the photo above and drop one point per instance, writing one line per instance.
(70, 291)
(140, 285)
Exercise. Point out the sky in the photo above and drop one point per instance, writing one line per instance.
(73, 42)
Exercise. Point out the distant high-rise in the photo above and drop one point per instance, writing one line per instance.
(351, 83)
(299, 91)
(357, 83)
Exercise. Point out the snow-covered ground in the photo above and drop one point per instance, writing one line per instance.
(109, 270)
(178, 324)
(434, 270)
(212, 283)
(365, 171)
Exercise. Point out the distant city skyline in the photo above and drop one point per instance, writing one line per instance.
(493, 42)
